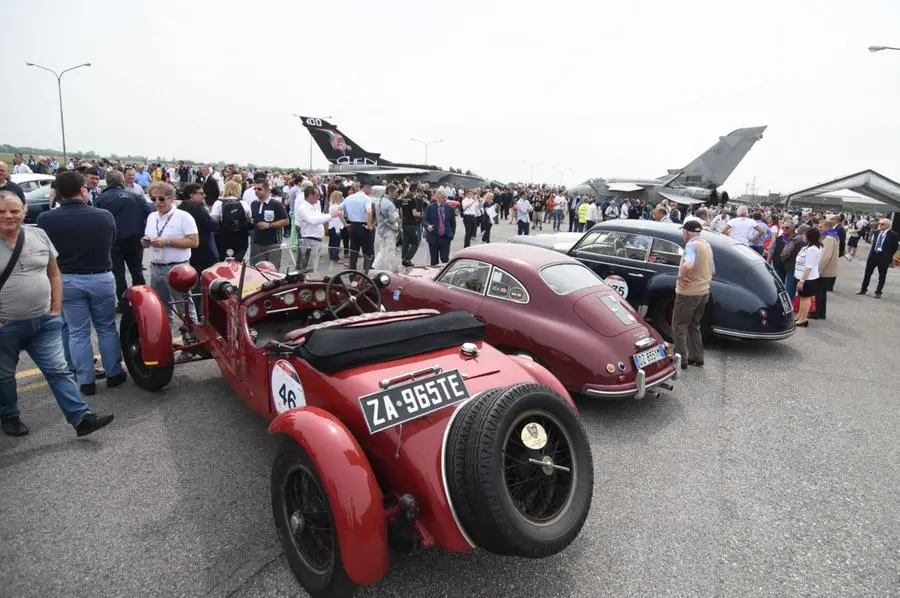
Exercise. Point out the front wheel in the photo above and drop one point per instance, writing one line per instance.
(148, 377)
(305, 523)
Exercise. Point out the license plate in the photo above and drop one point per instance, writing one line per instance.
(785, 302)
(405, 402)
(645, 358)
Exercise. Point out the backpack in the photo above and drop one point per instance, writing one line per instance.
(234, 218)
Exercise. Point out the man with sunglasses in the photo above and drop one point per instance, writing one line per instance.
(170, 235)
(269, 218)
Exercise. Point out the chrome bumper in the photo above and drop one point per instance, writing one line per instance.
(761, 336)
(641, 386)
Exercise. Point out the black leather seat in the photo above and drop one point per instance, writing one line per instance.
(332, 350)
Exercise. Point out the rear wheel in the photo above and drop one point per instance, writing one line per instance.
(305, 523)
(661, 314)
(148, 377)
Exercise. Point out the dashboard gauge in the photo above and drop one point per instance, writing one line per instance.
(320, 296)
(252, 310)
(289, 298)
(306, 296)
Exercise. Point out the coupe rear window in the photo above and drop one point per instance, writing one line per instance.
(565, 278)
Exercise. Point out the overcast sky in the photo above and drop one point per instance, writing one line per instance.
(587, 89)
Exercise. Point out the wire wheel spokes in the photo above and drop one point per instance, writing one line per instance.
(309, 520)
(539, 480)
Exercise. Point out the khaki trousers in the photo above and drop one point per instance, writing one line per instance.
(686, 317)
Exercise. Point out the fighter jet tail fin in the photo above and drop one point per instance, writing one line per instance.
(715, 165)
(337, 147)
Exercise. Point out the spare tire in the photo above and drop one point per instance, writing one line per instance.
(519, 471)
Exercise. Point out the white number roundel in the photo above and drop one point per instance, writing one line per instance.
(287, 392)
(618, 284)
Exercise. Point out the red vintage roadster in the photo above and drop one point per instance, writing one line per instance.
(550, 308)
(401, 428)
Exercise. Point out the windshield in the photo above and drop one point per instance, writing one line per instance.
(313, 261)
(565, 278)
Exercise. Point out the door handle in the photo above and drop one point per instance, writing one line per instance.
(635, 275)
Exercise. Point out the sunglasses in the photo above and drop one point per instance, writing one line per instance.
(160, 199)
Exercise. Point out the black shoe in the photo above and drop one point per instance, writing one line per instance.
(88, 390)
(684, 365)
(860, 292)
(13, 426)
(98, 373)
(803, 324)
(696, 363)
(117, 380)
(92, 422)
(878, 295)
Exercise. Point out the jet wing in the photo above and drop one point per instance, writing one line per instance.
(682, 199)
(623, 187)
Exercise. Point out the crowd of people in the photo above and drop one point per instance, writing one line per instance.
(73, 266)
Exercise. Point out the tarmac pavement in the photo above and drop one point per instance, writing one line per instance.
(771, 471)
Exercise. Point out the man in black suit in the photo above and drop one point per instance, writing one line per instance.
(210, 185)
(439, 220)
(884, 246)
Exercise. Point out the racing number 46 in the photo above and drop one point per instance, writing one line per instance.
(288, 398)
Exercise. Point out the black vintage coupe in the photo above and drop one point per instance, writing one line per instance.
(640, 258)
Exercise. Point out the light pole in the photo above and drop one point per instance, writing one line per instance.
(310, 139)
(532, 165)
(58, 76)
(874, 49)
(425, 144)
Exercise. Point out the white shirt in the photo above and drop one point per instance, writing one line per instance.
(309, 218)
(742, 229)
(623, 211)
(216, 210)
(22, 168)
(176, 224)
(523, 210)
(135, 188)
(808, 257)
(471, 207)
(248, 197)
(219, 181)
(560, 203)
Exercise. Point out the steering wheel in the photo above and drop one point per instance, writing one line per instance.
(358, 289)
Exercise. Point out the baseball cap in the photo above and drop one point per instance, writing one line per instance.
(692, 226)
(93, 170)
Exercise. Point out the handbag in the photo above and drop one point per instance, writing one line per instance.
(14, 258)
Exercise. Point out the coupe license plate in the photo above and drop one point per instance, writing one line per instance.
(405, 402)
(645, 358)
(785, 302)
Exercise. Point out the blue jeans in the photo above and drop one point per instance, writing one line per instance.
(91, 299)
(790, 284)
(41, 337)
(159, 282)
(557, 219)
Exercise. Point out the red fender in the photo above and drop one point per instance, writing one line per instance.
(356, 500)
(543, 376)
(150, 313)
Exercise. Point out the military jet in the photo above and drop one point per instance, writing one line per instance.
(348, 158)
(695, 183)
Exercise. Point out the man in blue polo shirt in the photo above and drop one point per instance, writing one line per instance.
(358, 212)
(84, 236)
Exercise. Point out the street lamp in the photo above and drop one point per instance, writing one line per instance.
(58, 76)
(874, 49)
(311, 139)
(532, 165)
(425, 144)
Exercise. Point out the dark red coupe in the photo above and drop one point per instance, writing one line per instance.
(548, 307)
